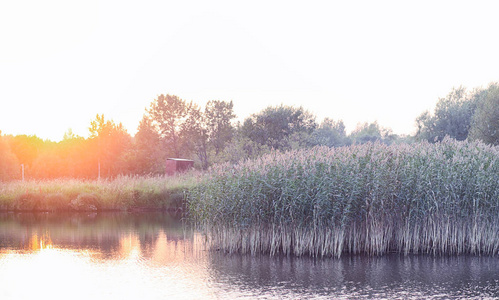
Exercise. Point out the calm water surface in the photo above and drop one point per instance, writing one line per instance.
(153, 256)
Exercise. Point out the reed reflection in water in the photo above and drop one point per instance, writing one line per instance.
(154, 256)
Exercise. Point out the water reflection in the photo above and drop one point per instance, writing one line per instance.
(387, 277)
(154, 256)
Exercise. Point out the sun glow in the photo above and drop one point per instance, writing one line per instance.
(40, 243)
(130, 247)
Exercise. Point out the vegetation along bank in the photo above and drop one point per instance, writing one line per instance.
(440, 198)
(157, 193)
(372, 198)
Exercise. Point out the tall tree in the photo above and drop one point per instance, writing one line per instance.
(219, 116)
(110, 141)
(49, 164)
(372, 132)
(195, 134)
(274, 126)
(26, 148)
(486, 119)
(452, 117)
(9, 165)
(330, 133)
(148, 156)
(169, 113)
(76, 156)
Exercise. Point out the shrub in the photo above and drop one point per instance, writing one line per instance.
(85, 202)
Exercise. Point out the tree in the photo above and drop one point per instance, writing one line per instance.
(274, 126)
(26, 148)
(242, 148)
(147, 155)
(219, 116)
(76, 155)
(110, 141)
(49, 164)
(486, 118)
(169, 113)
(9, 165)
(452, 117)
(195, 134)
(372, 132)
(330, 133)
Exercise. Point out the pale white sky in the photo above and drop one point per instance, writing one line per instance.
(63, 62)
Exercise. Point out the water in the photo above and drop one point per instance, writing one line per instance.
(153, 256)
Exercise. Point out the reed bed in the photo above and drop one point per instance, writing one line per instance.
(121, 193)
(412, 198)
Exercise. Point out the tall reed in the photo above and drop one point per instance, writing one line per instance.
(412, 198)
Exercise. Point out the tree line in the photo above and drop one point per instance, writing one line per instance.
(172, 127)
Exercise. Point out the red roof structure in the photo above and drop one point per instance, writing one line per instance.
(177, 165)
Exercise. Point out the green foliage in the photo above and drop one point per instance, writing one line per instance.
(330, 133)
(372, 132)
(195, 135)
(169, 115)
(185, 131)
(275, 126)
(219, 115)
(368, 198)
(240, 149)
(146, 155)
(486, 119)
(452, 117)
(172, 127)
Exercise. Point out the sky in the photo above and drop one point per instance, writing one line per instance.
(63, 62)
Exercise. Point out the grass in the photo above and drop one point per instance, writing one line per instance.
(122, 193)
(420, 198)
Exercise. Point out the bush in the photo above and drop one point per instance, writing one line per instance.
(56, 202)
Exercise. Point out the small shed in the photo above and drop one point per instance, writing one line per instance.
(177, 165)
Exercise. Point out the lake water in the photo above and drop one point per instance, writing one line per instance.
(153, 256)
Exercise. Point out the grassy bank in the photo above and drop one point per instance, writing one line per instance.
(122, 193)
(424, 198)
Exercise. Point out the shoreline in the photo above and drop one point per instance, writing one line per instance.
(159, 193)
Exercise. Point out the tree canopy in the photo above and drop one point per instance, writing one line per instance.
(275, 125)
(486, 119)
(452, 117)
(172, 127)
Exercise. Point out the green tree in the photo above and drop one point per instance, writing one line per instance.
(169, 113)
(219, 116)
(486, 118)
(147, 156)
(372, 132)
(452, 117)
(330, 133)
(195, 135)
(274, 126)
(241, 148)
